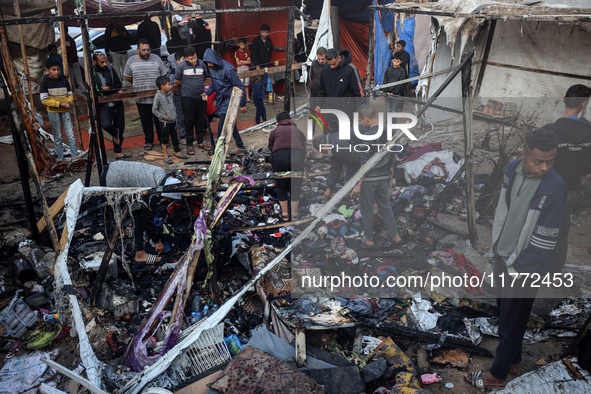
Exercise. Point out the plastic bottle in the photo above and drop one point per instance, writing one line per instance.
(197, 305)
(206, 312)
(215, 308)
(51, 318)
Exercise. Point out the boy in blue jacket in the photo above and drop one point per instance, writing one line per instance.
(526, 227)
(258, 96)
(224, 78)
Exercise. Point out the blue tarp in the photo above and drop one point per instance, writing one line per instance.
(387, 17)
(382, 53)
(408, 35)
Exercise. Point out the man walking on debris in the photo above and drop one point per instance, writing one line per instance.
(525, 231)
(133, 174)
(573, 157)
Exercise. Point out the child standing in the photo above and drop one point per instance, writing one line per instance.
(56, 56)
(243, 61)
(395, 73)
(174, 60)
(258, 96)
(57, 96)
(163, 109)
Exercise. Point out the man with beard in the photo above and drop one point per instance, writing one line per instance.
(141, 71)
(112, 114)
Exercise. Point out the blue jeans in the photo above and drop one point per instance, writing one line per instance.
(57, 120)
(180, 116)
(261, 111)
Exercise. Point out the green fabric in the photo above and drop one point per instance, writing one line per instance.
(523, 191)
(347, 213)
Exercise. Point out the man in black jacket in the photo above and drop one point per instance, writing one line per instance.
(339, 78)
(400, 45)
(262, 49)
(151, 32)
(315, 72)
(117, 43)
(112, 114)
(573, 157)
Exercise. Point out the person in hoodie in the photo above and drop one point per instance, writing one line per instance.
(573, 157)
(374, 187)
(340, 158)
(288, 152)
(339, 78)
(394, 73)
(525, 231)
(224, 78)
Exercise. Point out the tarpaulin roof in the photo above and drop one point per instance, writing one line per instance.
(98, 6)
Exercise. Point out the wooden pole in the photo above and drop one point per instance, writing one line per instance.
(25, 61)
(334, 25)
(22, 164)
(289, 57)
(370, 51)
(468, 145)
(19, 100)
(67, 72)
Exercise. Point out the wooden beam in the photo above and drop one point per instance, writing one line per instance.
(289, 58)
(334, 25)
(56, 208)
(535, 70)
(24, 55)
(25, 116)
(469, 146)
(370, 51)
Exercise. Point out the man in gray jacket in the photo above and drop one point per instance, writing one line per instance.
(373, 188)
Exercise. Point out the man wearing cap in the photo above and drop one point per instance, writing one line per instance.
(133, 174)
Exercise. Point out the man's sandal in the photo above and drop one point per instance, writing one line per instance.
(190, 150)
(204, 147)
(477, 380)
(150, 260)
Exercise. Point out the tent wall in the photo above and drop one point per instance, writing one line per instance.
(354, 36)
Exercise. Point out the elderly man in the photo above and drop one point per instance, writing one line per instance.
(141, 71)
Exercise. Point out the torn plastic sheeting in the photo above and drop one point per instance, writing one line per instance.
(551, 378)
(137, 384)
(266, 341)
(420, 310)
(413, 169)
(531, 335)
(23, 373)
(62, 281)
(47, 389)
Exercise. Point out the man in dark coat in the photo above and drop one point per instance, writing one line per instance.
(151, 32)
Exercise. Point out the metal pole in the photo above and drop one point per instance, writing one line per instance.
(289, 57)
(468, 145)
(370, 51)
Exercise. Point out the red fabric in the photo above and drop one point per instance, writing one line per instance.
(232, 26)
(465, 266)
(211, 108)
(354, 36)
(434, 147)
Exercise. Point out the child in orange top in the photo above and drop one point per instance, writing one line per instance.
(243, 61)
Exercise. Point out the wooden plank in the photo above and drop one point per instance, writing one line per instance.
(56, 208)
(65, 371)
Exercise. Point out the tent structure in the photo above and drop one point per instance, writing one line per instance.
(523, 49)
